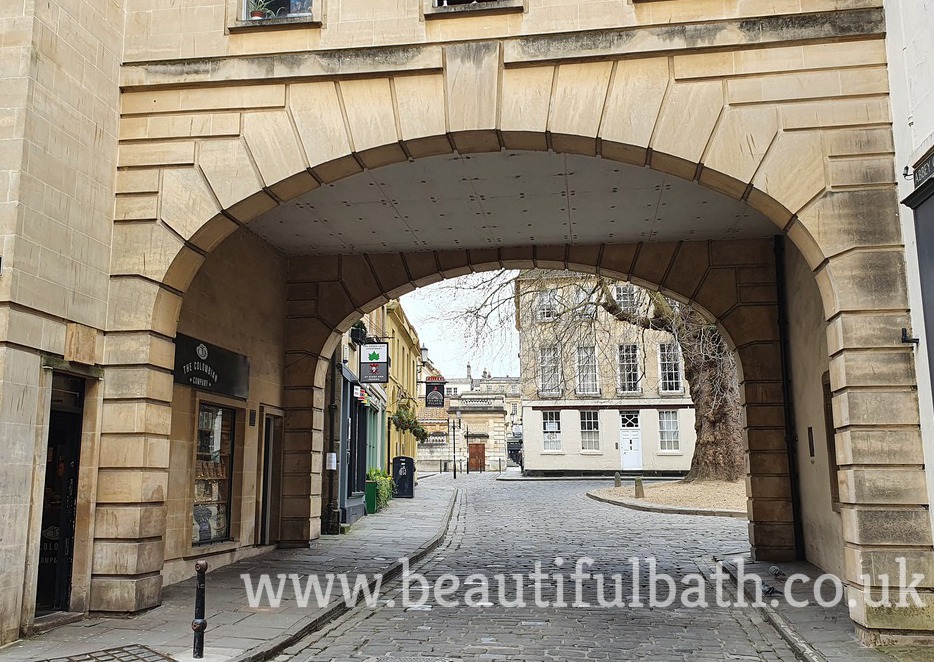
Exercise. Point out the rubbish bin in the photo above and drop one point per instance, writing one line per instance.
(403, 476)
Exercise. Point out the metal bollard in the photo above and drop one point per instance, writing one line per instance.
(501, 465)
(440, 466)
(199, 625)
(640, 493)
(617, 482)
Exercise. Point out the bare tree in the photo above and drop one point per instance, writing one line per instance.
(583, 309)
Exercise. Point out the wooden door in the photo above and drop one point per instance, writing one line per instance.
(476, 458)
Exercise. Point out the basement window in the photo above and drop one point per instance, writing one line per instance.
(446, 8)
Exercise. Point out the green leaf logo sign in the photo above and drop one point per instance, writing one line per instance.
(374, 356)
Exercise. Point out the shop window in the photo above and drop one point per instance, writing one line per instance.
(213, 474)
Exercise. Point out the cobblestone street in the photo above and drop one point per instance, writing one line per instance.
(505, 527)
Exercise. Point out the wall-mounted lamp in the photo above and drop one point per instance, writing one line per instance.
(424, 352)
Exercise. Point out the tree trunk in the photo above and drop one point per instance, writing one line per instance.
(718, 453)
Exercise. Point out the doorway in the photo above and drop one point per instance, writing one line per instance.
(476, 457)
(630, 441)
(60, 495)
(270, 487)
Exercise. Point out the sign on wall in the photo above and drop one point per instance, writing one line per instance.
(211, 368)
(434, 391)
(374, 363)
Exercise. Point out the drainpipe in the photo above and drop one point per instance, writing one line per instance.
(333, 521)
(790, 436)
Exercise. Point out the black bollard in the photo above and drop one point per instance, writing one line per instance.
(199, 625)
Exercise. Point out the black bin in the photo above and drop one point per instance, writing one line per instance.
(403, 476)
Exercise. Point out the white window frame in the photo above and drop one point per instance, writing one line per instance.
(669, 431)
(623, 385)
(626, 298)
(663, 371)
(546, 306)
(550, 369)
(590, 430)
(584, 305)
(551, 438)
(592, 385)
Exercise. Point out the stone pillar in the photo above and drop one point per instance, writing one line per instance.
(883, 495)
(130, 518)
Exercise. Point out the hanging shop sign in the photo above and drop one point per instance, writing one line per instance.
(374, 363)
(434, 391)
(211, 368)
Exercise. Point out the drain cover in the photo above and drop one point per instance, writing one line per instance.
(135, 653)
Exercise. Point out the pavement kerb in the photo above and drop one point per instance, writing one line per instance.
(802, 649)
(625, 479)
(337, 607)
(668, 510)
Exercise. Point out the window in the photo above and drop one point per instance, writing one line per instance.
(451, 391)
(590, 431)
(515, 408)
(669, 368)
(584, 305)
(213, 470)
(551, 427)
(629, 418)
(668, 438)
(587, 370)
(547, 305)
(626, 298)
(277, 8)
(550, 370)
(628, 369)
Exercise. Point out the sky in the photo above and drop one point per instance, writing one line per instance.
(434, 312)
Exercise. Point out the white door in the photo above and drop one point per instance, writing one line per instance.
(630, 441)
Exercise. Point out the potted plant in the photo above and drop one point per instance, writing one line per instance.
(260, 9)
(378, 490)
(358, 332)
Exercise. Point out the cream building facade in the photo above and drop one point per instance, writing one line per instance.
(176, 172)
(598, 395)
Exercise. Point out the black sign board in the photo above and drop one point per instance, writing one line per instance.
(924, 170)
(211, 368)
(434, 394)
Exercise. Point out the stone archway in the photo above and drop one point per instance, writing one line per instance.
(813, 170)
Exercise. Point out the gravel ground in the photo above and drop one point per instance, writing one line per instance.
(712, 494)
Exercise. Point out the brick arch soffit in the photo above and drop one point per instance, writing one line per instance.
(214, 230)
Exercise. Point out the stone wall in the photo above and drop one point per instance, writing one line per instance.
(58, 144)
(237, 301)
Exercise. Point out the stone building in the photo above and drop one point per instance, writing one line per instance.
(195, 206)
(598, 395)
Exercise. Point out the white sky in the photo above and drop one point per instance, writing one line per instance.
(433, 311)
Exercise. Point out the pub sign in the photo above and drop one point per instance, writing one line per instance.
(434, 391)
(374, 363)
(211, 368)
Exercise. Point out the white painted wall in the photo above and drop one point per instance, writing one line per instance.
(571, 457)
(910, 45)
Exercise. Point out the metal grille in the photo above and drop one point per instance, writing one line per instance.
(134, 653)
